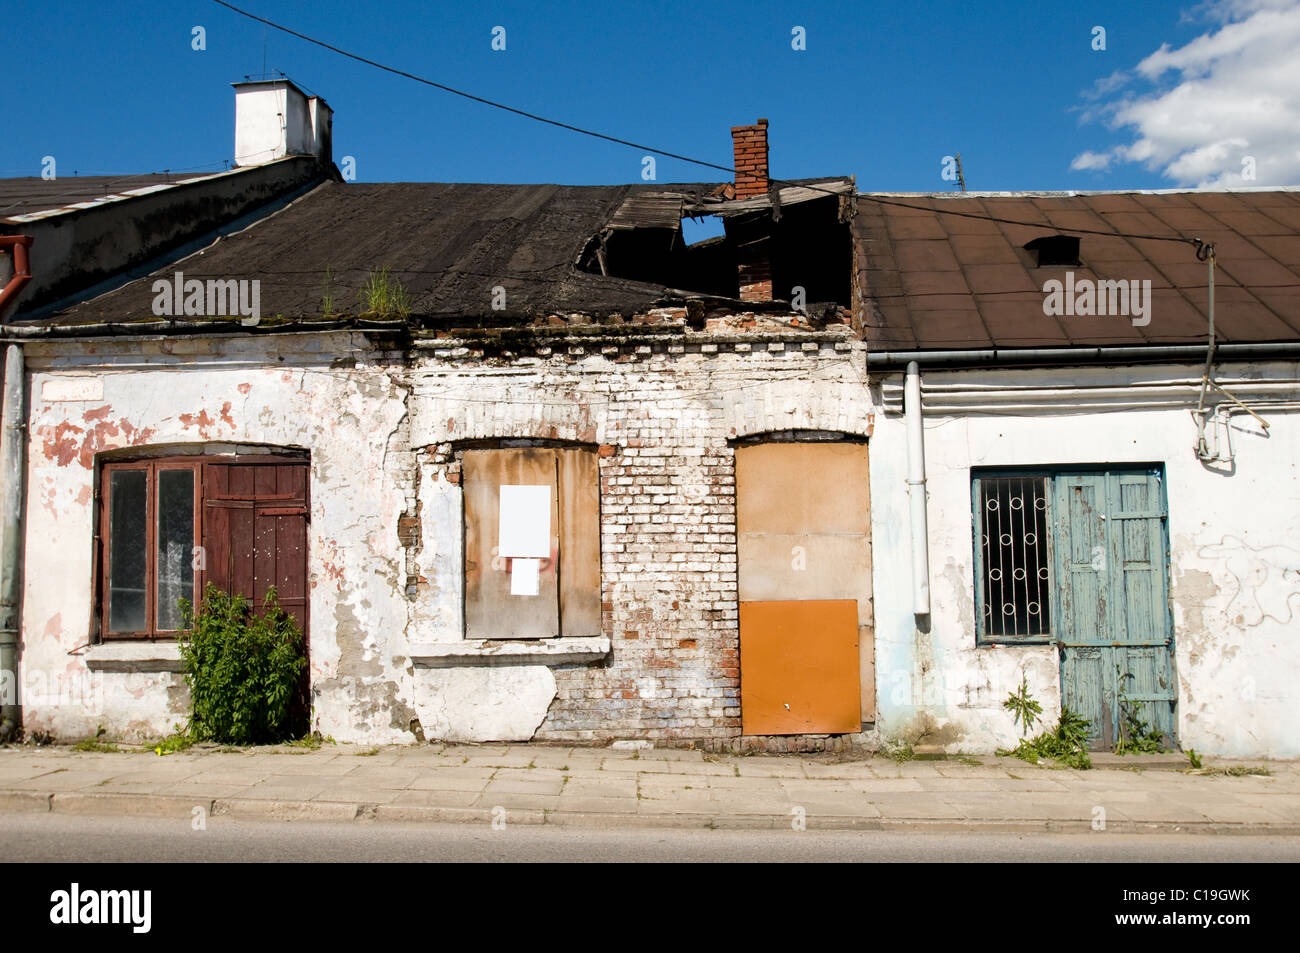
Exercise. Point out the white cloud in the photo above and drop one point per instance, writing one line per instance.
(1226, 102)
(1092, 160)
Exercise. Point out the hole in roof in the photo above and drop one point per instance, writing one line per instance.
(1055, 250)
(702, 229)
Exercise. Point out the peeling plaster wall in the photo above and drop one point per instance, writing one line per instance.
(663, 415)
(280, 391)
(1234, 554)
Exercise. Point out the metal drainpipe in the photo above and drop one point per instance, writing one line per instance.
(916, 491)
(11, 538)
(22, 267)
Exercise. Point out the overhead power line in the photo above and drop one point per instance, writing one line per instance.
(1200, 246)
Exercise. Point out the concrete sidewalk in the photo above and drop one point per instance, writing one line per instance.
(601, 787)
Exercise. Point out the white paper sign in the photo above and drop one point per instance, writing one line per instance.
(523, 576)
(524, 529)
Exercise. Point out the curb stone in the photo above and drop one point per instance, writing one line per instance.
(175, 807)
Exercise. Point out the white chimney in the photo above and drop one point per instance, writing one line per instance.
(274, 119)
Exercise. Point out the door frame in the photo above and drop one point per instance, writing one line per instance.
(1058, 536)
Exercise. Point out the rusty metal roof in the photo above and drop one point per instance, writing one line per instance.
(934, 280)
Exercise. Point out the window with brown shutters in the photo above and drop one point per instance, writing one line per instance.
(170, 526)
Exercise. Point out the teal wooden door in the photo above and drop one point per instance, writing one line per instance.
(1114, 628)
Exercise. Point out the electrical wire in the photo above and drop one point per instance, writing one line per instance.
(1196, 242)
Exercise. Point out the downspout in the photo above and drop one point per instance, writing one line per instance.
(11, 538)
(916, 491)
(22, 268)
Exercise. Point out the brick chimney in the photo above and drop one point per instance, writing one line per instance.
(755, 264)
(749, 143)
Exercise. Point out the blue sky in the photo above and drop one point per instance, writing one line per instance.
(883, 91)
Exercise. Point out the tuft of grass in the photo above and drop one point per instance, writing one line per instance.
(367, 754)
(384, 295)
(899, 752)
(1194, 758)
(179, 740)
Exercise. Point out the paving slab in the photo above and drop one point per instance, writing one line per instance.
(587, 786)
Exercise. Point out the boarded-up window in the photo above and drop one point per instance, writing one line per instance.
(532, 543)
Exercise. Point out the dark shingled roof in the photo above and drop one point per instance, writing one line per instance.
(448, 244)
(946, 282)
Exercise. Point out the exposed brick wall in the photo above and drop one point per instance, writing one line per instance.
(663, 414)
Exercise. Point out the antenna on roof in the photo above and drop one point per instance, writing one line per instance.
(961, 179)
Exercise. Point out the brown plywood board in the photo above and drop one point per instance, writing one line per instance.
(799, 667)
(802, 488)
(491, 612)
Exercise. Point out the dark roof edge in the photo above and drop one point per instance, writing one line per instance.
(1058, 356)
(171, 256)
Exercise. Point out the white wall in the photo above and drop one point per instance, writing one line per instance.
(1234, 548)
(280, 392)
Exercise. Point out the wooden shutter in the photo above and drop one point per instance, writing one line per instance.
(579, 549)
(255, 531)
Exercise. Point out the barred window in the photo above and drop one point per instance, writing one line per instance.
(1012, 549)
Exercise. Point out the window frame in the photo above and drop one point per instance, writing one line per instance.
(103, 570)
(977, 478)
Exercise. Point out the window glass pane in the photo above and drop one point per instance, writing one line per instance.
(175, 545)
(127, 543)
(1013, 540)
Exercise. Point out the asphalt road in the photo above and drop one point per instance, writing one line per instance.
(75, 839)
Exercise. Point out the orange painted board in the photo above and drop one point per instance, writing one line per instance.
(799, 667)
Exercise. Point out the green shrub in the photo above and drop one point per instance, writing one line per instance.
(1066, 743)
(242, 668)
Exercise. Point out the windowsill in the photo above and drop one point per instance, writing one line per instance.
(489, 652)
(123, 656)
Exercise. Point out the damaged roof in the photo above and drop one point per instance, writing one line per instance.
(935, 281)
(448, 244)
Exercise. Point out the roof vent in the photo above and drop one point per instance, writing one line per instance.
(1055, 250)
